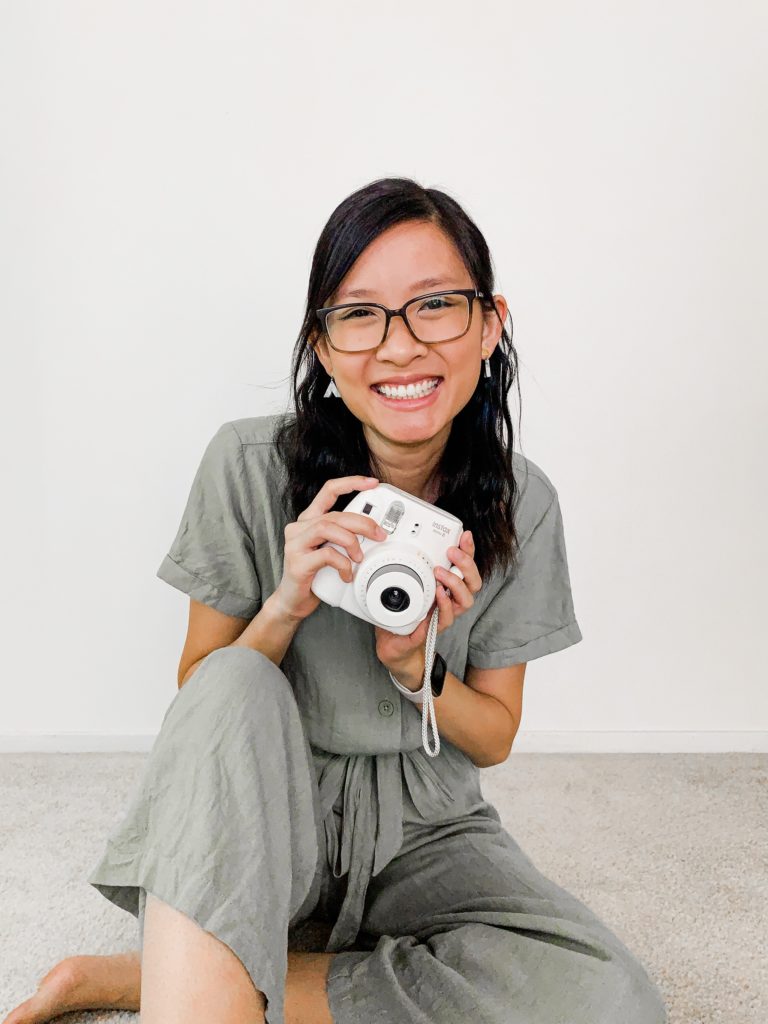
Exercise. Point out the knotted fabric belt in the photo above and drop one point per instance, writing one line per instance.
(371, 830)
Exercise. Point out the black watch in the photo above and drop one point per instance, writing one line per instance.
(437, 676)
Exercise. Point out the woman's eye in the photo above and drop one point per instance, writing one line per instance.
(434, 304)
(351, 314)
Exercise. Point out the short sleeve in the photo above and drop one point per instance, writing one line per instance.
(532, 613)
(212, 556)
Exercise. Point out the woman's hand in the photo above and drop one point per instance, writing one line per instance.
(306, 549)
(404, 655)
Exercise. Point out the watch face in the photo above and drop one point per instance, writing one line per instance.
(438, 675)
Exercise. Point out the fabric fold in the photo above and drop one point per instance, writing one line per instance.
(370, 832)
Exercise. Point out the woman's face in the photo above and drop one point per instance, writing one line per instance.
(409, 259)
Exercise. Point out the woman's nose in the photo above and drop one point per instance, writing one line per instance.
(399, 341)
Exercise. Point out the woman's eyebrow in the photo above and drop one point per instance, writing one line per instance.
(426, 282)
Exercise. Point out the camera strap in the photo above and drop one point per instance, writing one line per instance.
(424, 696)
(428, 705)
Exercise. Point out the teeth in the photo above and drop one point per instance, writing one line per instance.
(407, 390)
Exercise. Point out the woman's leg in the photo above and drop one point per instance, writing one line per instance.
(83, 983)
(115, 981)
(224, 828)
(462, 926)
(210, 983)
(225, 810)
(189, 976)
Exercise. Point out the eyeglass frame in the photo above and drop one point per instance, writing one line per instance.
(468, 293)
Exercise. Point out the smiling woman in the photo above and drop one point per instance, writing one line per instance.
(288, 779)
(402, 370)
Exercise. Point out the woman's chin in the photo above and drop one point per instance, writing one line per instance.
(417, 427)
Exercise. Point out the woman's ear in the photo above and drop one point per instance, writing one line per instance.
(317, 342)
(493, 324)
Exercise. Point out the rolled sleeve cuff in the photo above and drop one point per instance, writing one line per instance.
(557, 640)
(205, 592)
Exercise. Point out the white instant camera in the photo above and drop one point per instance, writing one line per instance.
(394, 584)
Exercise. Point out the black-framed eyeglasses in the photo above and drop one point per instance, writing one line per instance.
(434, 317)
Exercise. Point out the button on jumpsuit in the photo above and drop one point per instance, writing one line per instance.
(275, 794)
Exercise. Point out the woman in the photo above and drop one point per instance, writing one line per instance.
(289, 779)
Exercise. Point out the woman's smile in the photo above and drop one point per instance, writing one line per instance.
(411, 396)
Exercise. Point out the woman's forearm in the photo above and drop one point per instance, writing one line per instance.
(475, 722)
(269, 631)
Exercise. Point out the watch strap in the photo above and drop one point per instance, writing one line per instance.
(436, 680)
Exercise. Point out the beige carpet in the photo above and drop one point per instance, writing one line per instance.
(670, 849)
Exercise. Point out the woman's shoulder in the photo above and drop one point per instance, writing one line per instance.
(251, 430)
(535, 493)
(532, 479)
(246, 446)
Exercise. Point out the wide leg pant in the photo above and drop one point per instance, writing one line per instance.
(229, 825)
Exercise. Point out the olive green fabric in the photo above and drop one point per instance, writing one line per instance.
(240, 824)
(273, 794)
(228, 553)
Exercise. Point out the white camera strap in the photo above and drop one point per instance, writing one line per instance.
(425, 693)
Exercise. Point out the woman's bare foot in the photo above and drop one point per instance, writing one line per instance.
(83, 983)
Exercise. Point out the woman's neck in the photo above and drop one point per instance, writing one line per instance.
(427, 490)
(412, 468)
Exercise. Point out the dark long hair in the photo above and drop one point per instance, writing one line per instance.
(323, 439)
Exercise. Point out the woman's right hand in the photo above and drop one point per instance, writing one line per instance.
(314, 526)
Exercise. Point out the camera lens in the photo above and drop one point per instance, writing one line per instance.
(395, 599)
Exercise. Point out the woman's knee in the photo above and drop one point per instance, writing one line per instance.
(235, 664)
(234, 678)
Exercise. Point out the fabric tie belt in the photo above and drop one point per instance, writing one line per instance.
(371, 831)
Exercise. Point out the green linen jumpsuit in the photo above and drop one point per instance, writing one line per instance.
(275, 794)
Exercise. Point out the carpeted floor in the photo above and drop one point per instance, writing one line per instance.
(670, 849)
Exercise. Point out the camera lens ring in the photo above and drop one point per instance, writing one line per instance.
(399, 570)
(394, 567)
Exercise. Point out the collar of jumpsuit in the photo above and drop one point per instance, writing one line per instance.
(371, 830)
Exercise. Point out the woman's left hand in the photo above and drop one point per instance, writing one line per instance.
(404, 654)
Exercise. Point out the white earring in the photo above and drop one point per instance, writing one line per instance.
(487, 363)
(331, 390)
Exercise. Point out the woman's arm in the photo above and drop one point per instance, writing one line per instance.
(269, 631)
(480, 716)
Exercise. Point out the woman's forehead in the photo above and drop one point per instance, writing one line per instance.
(389, 279)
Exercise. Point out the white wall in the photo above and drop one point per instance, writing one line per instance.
(166, 170)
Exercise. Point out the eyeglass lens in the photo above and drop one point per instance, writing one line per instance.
(435, 318)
